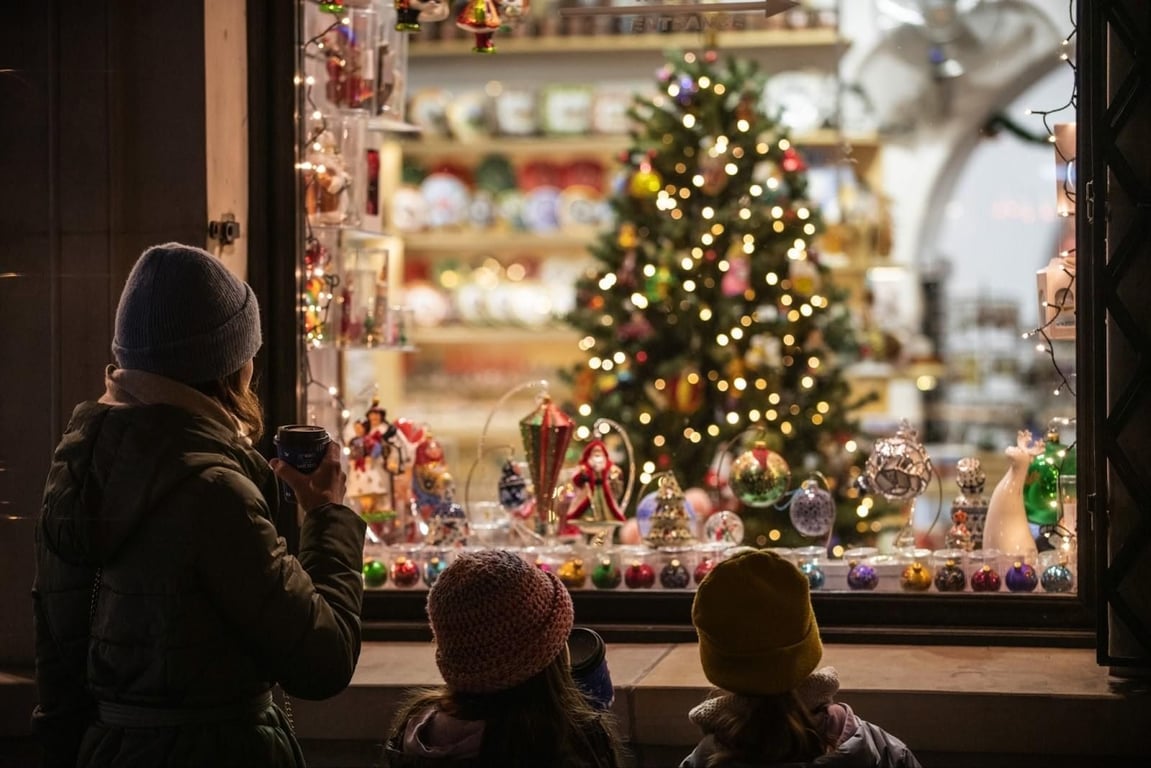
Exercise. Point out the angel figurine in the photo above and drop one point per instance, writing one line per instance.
(598, 484)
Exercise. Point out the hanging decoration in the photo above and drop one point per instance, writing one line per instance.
(898, 468)
(759, 476)
(812, 508)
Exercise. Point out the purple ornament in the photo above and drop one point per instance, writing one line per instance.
(862, 576)
(1021, 577)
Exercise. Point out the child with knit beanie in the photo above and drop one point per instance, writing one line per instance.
(759, 643)
(501, 629)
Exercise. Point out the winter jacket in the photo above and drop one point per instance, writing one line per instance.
(162, 586)
(859, 744)
(433, 739)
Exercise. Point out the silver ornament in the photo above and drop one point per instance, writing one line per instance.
(899, 468)
(812, 509)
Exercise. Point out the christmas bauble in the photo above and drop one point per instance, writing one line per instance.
(674, 576)
(513, 488)
(706, 566)
(814, 574)
(375, 573)
(898, 467)
(1057, 578)
(405, 573)
(985, 580)
(1021, 577)
(724, 526)
(915, 578)
(542, 565)
(606, 575)
(862, 576)
(639, 575)
(432, 570)
(812, 509)
(949, 577)
(760, 476)
(645, 183)
(1041, 488)
(572, 573)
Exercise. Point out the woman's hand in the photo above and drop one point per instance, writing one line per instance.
(326, 485)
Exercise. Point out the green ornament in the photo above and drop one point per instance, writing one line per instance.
(1041, 487)
(759, 477)
(375, 574)
(606, 575)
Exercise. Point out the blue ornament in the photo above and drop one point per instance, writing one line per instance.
(432, 570)
(814, 573)
(1057, 578)
(674, 576)
(862, 576)
(1021, 577)
(513, 488)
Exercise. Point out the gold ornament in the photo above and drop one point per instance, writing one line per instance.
(645, 183)
(915, 578)
(573, 574)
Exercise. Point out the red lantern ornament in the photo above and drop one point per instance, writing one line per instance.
(481, 18)
(546, 433)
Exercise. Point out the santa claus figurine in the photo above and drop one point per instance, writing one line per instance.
(598, 482)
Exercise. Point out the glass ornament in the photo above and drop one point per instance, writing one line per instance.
(1057, 578)
(1021, 577)
(1041, 488)
(985, 580)
(725, 527)
(572, 573)
(375, 573)
(674, 575)
(546, 433)
(606, 574)
(949, 577)
(898, 468)
(513, 487)
(814, 574)
(862, 576)
(915, 578)
(433, 568)
(760, 476)
(639, 575)
(812, 509)
(670, 521)
(405, 573)
(703, 568)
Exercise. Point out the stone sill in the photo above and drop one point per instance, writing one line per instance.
(1027, 702)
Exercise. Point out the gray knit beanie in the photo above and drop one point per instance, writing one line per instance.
(183, 315)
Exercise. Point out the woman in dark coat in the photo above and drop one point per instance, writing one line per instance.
(166, 605)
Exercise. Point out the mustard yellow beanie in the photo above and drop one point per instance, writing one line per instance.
(757, 631)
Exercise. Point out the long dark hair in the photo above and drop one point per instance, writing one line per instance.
(240, 401)
(766, 730)
(544, 721)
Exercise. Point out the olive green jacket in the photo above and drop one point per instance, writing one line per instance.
(161, 583)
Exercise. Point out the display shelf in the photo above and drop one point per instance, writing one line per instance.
(447, 335)
(480, 241)
(596, 144)
(731, 40)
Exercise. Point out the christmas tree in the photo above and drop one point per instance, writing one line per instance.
(709, 316)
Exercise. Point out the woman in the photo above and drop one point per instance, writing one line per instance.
(759, 643)
(166, 605)
(501, 630)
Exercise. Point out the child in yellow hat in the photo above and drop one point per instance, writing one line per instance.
(759, 643)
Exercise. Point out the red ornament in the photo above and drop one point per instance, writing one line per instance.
(405, 573)
(639, 575)
(481, 19)
(792, 161)
(703, 569)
